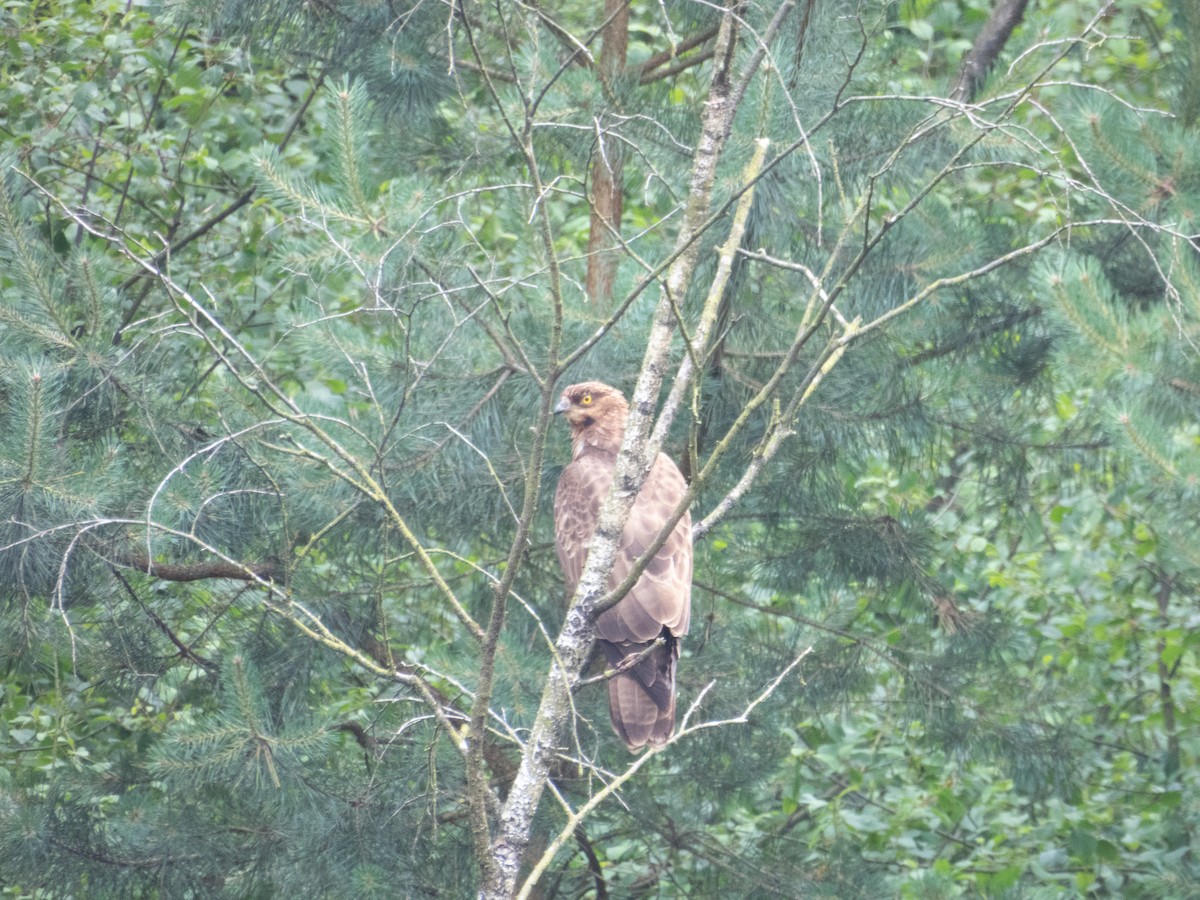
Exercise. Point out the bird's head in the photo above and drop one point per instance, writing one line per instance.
(596, 414)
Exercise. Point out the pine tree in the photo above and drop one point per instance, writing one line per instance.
(282, 612)
(1129, 299)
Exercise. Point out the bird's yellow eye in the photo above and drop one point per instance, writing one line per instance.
(585, 400)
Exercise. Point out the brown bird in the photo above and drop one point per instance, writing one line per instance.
(641, 698)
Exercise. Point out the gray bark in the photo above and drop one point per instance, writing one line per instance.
(633, 463)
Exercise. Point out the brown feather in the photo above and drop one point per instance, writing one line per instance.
(642, 698)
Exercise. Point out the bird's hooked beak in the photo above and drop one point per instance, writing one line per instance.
(563, 405)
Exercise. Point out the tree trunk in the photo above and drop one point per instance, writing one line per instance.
(607, 165)
(991, 40)
(574, 642)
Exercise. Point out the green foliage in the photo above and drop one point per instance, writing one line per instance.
(275, 283)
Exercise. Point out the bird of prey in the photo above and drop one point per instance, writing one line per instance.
(641, 696)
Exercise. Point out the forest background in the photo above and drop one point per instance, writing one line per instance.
(288, 291)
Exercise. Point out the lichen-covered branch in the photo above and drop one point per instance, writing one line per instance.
(633, 462)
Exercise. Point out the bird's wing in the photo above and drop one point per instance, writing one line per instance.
(663, 594)
(581, 490)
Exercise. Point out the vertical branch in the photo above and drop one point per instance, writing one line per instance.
(575, 819)
(633, 462)
(608, 163)
(693, 360)
(1172, 761)
(478, 785)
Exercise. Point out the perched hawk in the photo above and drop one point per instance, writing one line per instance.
(641, 700)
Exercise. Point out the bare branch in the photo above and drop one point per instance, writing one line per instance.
(633, 462)
(682, 733)
(270, 570)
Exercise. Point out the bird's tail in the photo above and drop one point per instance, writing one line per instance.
(641, 697)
